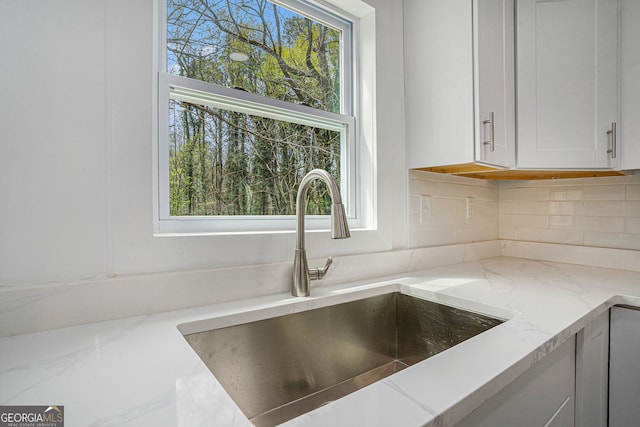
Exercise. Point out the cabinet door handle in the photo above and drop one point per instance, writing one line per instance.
(491, 142)
(612, 133)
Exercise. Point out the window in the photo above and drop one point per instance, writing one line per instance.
(252, 95)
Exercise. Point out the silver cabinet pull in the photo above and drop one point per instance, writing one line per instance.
(612, 133)
(491, 142)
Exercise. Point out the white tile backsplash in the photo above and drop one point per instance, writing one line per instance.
(612, 240)
(533, 208)
(566, 208)
(566, 193)
(632, 209)
(566, 237)
(633, 192)
(448, 222)
(524, 194)
(604, 208)
(508, 207)
(632, 225)
(599, 223)
(602, 212)
(524, 221)
(561, 221)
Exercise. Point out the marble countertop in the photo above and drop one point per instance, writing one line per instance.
(141, 372)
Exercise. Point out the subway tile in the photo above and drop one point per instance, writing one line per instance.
(507, 233)
(443, 221)
(476, 235)
(566, 193)
(425, 176)
(632, 209)
(486, 207)
(414, 174)
(610, 180)
(507, 207)
(527, 194)
(542, 183)
(524, 221)
(568, 182)
(421, 186)
(533, 208)
(633, 191)
(632, 225)
(479, 207)
(604, 208)
(474, 182)
(561, 221)
(603, 192)
(457, 190)
(511, 184)
(414, 204)
(480, 220)
(612, 240)
(441, 205)
(596, 223)
(582, 211)
(416, 223)
(566, 208)
(489, 194)
(569, 237)
(432, 238)
(461, 210)
(439, 177)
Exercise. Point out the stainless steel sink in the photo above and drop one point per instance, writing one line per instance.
(276, 369)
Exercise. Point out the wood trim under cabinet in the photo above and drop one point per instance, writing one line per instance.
(473, 170)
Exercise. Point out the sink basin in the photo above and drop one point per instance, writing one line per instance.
(278, 368)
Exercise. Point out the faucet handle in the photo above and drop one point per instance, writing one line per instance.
(319, 272)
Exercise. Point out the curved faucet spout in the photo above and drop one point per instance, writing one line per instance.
(339, 230)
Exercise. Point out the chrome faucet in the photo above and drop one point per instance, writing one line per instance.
(339, 230)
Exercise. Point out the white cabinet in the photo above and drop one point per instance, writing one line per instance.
(624, 367)
(630, 85)
(592, 373)
(459, 74)
(542, 396)
(567, 84)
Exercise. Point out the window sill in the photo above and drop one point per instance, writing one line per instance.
(201, 226)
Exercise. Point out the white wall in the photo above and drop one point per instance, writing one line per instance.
(53, 141)
(76, 133)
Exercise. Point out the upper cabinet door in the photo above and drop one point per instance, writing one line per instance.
(438, 67)
(459, 73)
(494, 81)
(567, 86)
(630, 85)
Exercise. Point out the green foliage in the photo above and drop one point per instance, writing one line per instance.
(227, 163)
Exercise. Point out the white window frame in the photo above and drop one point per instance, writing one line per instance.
(199, 92)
